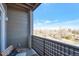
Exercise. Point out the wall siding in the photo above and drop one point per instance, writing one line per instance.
(17, 27)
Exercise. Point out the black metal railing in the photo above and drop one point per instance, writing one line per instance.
(47, 47)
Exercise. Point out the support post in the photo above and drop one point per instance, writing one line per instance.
(30, 29)
(3, 29)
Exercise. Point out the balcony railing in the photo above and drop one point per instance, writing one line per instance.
(47, 47)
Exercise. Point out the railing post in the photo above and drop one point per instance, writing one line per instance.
(44, 48)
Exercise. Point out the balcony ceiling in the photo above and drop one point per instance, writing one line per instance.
(29, 6)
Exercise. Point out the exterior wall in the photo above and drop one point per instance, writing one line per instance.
(17, 27)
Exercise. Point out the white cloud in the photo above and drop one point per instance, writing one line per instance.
(47, 21)
(39, 24)
(56, 24)
(55, 20)
(68, 22)
(50, 21)
(72, 21)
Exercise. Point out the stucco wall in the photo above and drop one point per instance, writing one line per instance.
(17, 27)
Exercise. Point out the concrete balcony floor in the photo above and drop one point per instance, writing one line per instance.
(27, 52)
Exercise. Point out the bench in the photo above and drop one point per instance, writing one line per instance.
(11, 51)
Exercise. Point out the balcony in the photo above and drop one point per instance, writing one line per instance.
(16, 30)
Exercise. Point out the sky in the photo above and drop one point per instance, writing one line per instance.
(56, 15)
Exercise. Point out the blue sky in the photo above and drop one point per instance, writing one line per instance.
(55, 15)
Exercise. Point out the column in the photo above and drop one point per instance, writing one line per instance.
(3, 32)
(31, 30)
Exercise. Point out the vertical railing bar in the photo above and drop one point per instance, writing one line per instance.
(44, 48)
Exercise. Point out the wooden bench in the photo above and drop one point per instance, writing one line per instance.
(11, 51)
(8, 51)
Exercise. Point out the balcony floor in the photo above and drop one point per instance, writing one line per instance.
(27, 52)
